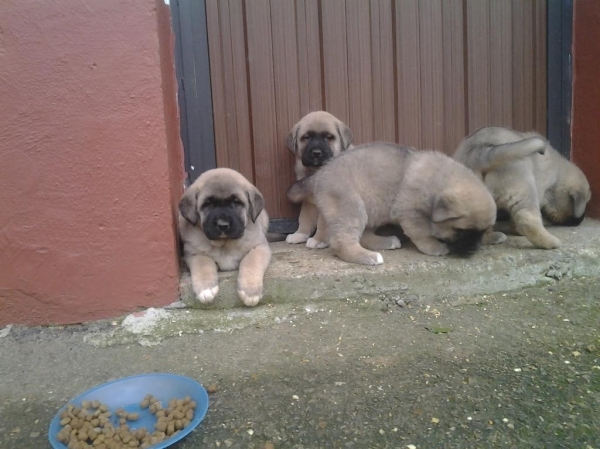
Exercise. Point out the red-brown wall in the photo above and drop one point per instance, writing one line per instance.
(586, 96)
(90, 165)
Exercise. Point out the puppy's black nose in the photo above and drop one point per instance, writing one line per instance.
(316, 153)
(223, 225)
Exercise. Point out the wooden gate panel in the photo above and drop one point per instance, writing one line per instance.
(419, 72)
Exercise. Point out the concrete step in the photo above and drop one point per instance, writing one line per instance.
(299, 275)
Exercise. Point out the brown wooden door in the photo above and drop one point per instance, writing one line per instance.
(418, 72)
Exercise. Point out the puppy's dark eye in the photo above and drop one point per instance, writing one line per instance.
(304, 137)
(207, 203)
(236, 202)
(330, 137)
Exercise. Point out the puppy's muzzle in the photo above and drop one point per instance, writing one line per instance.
(316, 153)
(223, 226)
(465, 242)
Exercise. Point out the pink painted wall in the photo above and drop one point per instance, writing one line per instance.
(90, 160)
(586, 96)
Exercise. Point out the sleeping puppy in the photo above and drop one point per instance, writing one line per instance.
(223, 226)
(440, 204)
(315, 139)
(528, 179)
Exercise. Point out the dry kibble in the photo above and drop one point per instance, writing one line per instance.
(171, 428)
(161, 426)
(89, 427)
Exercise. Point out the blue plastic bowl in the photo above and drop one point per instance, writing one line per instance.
(129, 392)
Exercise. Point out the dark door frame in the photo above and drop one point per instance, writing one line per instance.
(195, 96)
(560, 73)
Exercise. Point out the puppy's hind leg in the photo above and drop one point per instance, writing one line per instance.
(307, 221)
(345, 230)
(375, 242)
(319, 240)
(528, 222)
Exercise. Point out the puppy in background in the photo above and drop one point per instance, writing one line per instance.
(223, 226)
(314, 140)
(440, 204)
(528, 179)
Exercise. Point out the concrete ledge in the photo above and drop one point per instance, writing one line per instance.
(298, 275)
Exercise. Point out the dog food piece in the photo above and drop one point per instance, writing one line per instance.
(122, 421)
(65, 421)
(86, 404)
(95, 422)
(192, 405)
(179, 424)
(170, 428)
(161, 426)
(189, 414)
(133, 416)
(161, 414)
(103, 408)
(95, 404)
(145, 403)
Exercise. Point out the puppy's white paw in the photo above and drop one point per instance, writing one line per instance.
(378, 259)
(296, 237)
(249, 299)
(316, 244)
(207, 296)
(395, 242)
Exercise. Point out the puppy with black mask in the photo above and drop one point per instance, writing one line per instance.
(223, 226)
(317, 138)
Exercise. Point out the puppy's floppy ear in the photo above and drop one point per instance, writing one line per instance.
(256, 203)
(345, 135)
(188, 206)
(442, 210)
(579, 204)
(291, 140)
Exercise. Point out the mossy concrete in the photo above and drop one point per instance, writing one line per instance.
(299, 275)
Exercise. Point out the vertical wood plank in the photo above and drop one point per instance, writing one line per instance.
(335, 58)
(262, 105)
(240, 88)
(432, 82)
(540, 67)
(384, 80)
(523, 59)
(454, 74)
(360, 71)
(309, 56)
(408, 72)
(501, 61)
(217, 80)
(478, 67)
(287, 96)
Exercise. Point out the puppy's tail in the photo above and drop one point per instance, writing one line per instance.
(494, 156)
(301, 189)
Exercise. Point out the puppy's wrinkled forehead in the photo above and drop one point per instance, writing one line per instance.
(318, 127)
(222, 189)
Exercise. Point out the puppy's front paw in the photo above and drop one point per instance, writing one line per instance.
(316, 244)
(394, 242)
(432, 247)
(494, 238)
(206, 295)
(250, 295)
(296, 237)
